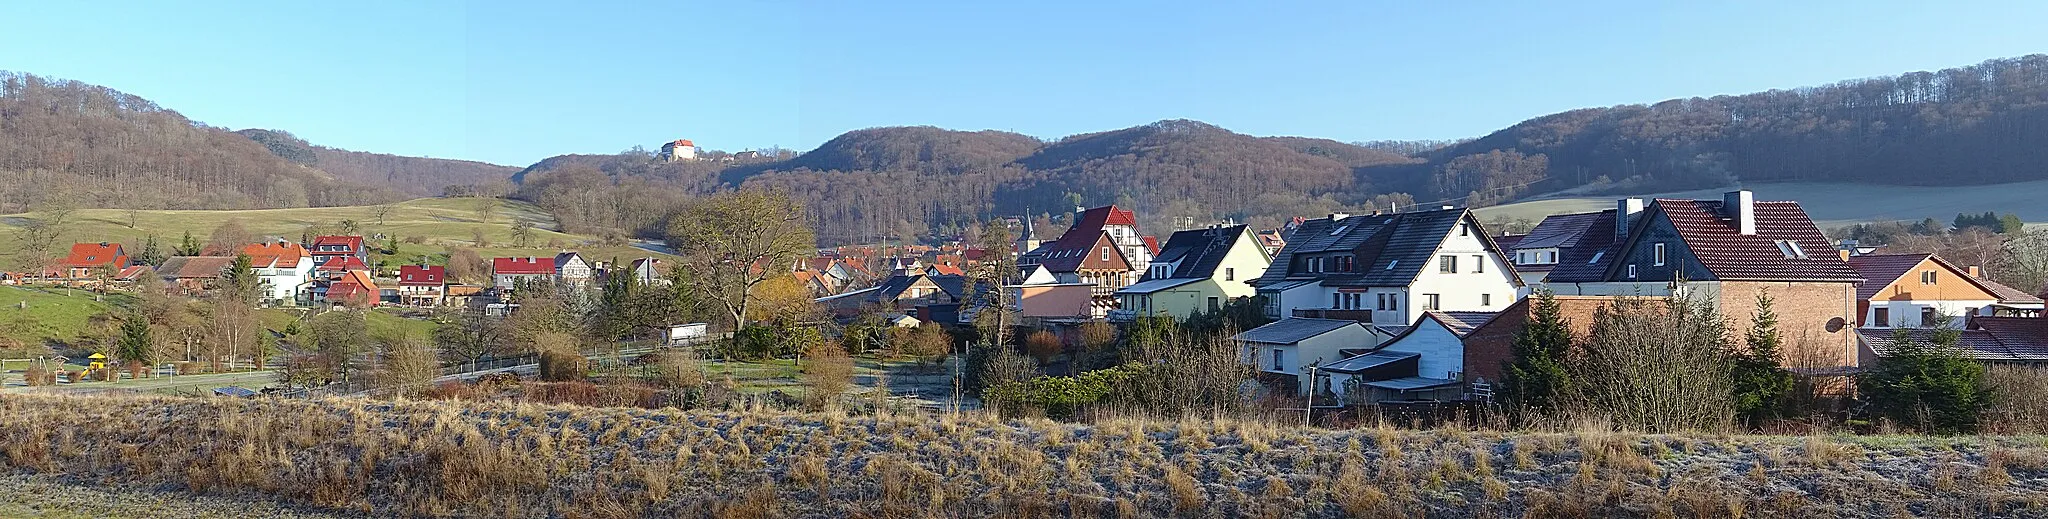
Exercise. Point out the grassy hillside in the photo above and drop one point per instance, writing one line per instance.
(1831, 204)
(486, 459)
(442, 222)
(32, 320)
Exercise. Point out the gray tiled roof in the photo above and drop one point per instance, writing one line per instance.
(1560, 231)
(1198, 251)
(1390, 249)
(1293, 330)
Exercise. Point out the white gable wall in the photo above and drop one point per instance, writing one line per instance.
(1480, 273)
(1443, 353)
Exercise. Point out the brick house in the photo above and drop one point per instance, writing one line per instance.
(1727, 252)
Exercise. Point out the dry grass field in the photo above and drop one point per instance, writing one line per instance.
(362, 457)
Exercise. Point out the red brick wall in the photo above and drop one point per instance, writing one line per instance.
(1487, 347)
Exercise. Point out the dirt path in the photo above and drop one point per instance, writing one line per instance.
(37, 497)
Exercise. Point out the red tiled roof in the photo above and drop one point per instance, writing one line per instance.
(276, 254)
(356, 285)
(1065, 254)
(948, 270)
(131, 273)
(343, 264)
(524, 266)
(84, 255)
(1151, 244)
(354, 243)
(2007, 294)
(1718, 245)
(1880, 270)
(417, 275)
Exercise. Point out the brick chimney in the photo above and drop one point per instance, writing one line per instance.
(1741, 208)
(1974, 271)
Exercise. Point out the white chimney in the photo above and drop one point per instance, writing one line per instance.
(1625, 211)
(1339, 216)
(1741, 209)
(1448, 207)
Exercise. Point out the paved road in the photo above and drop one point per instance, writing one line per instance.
(248, 379)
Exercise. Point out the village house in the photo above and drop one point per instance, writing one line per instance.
(422, 285)
(572, 270)
(87, 260)
(646, 272)
(1911, 290)
(1725, 252)
(1281, 352)
(283, 269)
(193, 275)
(1041, 299)
(1102, 249)
(1386, 269)
(1425, 362)
(354, 289)
(1536, 253)
(330, 248)
(1991, 340)
(508, 273)
(1198, 270)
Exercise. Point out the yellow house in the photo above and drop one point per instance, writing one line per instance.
(1198, 270)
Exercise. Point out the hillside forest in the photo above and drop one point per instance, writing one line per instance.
(1983, 124)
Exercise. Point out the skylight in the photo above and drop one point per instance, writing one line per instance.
(1340, 230)
(1391, 264)
(1791, 249)
(1596, 257)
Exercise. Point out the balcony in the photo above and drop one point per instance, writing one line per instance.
(1363, 316)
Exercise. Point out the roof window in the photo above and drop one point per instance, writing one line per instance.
(1791, 249)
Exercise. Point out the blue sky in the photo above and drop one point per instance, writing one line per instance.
(513, 82)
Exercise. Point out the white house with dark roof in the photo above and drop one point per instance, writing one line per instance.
(1425, 362)
(1386, 269)
(1282, 350)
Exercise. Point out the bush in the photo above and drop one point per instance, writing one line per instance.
(1927, 385)
(828, 373)
(1043, 345)
(2016, 406)
(559, 366)
(1059, 398)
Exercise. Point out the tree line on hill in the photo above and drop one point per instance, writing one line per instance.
(1980, 124)
(104, 148)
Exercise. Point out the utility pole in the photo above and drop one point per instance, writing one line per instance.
(1310, 409)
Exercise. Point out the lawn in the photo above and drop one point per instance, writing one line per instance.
(35, 319)
(441, 223)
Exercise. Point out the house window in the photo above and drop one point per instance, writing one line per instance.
(1105, 254)
(1447, 264)
(1431, 301)
(1214, 306)
(1631, 271)
(1550, 256)
(1478, 264)
(1336, 301)
(1464, 229)
(1660, 254)
(1354, 301)
(1279, 360)
(1927, 277)
(1927, 316)
(1229, 274)
(1485, 299)
(1882, 317)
